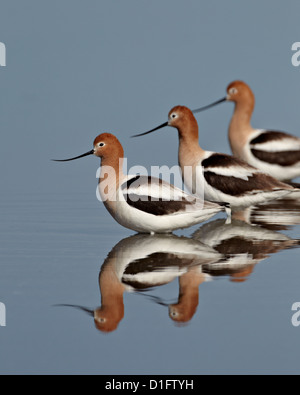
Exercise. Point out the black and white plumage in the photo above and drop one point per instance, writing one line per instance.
(144, 204)
(226, 177)
(280, 214)
(142, 262)
(223, 178)
(242, 244)
(151, 205)
(275, 153)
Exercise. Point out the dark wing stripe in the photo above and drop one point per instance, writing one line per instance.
(139, 180)
(284, 158)
(238, 245)
(269, 136)
(155, 262)
(238, 187)
(216, 272)
(128, 183)
(225, 161)
(156, 206)
(294, 184)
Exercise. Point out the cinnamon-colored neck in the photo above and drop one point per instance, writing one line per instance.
(113, 160)
(189, 148)
(242, 114)
(112, 304)
(240, 126)
(111, 177)
(189, 295)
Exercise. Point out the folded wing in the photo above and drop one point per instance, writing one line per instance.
(158, 197)
(276, 148)
(234, 177)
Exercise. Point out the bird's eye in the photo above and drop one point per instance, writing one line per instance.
(101, 320)
(101, 144)
(173, 116)
(174, 313)
(233, 91)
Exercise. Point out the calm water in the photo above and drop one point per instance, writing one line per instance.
(210, 299)
(84, 295)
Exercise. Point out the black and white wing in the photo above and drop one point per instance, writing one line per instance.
(236, 178)
(276, 148)
(158, 197)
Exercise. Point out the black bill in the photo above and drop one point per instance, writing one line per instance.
(77, 157)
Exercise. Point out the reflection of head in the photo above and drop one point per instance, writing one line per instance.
(242, 275)
(108, 316)
(182, 313)
(108, 319)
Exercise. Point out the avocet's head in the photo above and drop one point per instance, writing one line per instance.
(106, 145)
(179, 117)
(107, 320)
(181, 313)
(239, 91)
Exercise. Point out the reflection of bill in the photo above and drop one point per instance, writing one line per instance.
(296, 316)
(2, 55)
(296, 56)
(2, 314)
(143, 262)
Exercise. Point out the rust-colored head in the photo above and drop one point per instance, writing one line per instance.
(181, 313)
(240, 92)
(242, 275)
(107, 320)
(107, 145)
(181, 118)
